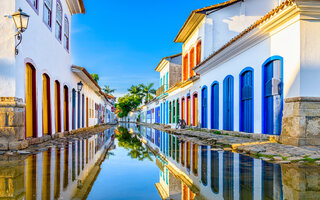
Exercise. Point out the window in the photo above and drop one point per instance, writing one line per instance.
(59, 22)
(191, 62)
(47, 12)
(198, 53)
(185, 67)
(34, 5)
(167, 81)
(66, 33)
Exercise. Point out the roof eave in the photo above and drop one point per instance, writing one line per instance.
(189, 26)
(77, 70)
(76, 6)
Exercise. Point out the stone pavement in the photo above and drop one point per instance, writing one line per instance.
(58, 140)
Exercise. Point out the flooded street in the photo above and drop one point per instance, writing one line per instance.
(135, 162)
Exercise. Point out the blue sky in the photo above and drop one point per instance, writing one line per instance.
(123, 41)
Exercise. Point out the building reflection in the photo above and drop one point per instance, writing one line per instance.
(51, 174)
(188, 171)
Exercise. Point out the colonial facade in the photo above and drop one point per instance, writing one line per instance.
(41, 92)
(249, 66)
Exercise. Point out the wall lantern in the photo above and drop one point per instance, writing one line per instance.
(80, 86)
(21, 21)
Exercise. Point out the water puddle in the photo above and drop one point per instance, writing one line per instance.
(143, 163)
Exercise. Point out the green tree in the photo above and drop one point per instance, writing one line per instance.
(148, 92)
(135, 90)
(108, 90)
(95, 77)
(126, 104)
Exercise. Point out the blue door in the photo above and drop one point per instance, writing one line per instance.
(204, 107)
(157, 115)
(167, 113)
(246, 101)
(228, 103)
(215, 106)
(272, 82)
(161, 111)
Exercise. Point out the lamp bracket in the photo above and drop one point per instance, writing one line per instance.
(19, 38)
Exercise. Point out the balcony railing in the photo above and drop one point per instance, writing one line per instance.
(161, 90)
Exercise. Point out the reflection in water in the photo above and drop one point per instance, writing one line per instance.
(246, 177)
(186, 171)
(133, 143)
(46, 175)
(204, 164)
(215, 171)
(231, 175)
(228, 186)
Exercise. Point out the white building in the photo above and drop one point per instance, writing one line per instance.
(253, 66)
(39, 86)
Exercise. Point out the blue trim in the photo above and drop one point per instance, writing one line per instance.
(247, 69)
(272, 58)
(216, 99)
(230, 123)
(204, 116)
(167, 114)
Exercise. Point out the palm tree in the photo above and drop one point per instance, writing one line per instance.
(95, 77)
(135, 91)
(108, 90)
(148, 92)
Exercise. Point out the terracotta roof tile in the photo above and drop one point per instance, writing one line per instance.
(219, 5)
(282, 6)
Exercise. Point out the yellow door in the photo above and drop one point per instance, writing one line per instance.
(57, 107)
(45, 104)
(30, 101)
(195, 111)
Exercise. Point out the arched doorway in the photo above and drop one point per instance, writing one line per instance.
(195, 109)
(204, 107)
(188, 110)
(246, 100)
(228, 103)
(31, 102)
(272, 96)
(66, 108)
(178, 110)
(215, 105)
(182, 108)
(46, 105)
(57, 106)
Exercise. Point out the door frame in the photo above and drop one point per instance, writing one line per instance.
(245, 70)
(269, 60)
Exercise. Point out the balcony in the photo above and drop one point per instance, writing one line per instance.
(161, 90)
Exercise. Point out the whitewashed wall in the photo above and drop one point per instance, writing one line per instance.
(45, 52)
